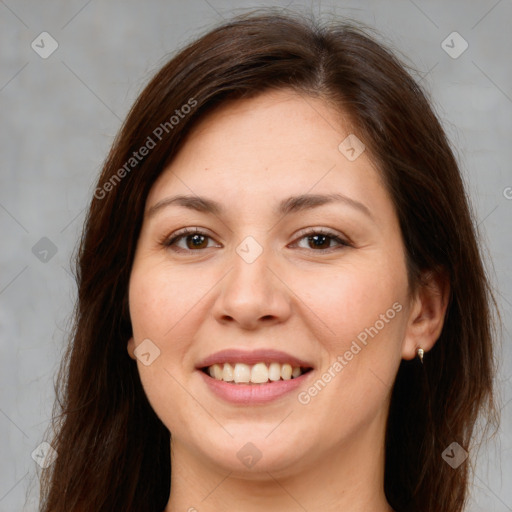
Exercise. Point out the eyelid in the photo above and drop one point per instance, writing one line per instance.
(339, 237)
(342, 240)
(168, 240)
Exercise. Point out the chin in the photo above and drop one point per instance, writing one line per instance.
(252, 457)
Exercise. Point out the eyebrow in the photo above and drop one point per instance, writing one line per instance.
(286, 206)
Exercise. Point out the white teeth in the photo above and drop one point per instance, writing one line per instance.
(259, 373)
(274, 371)
(286, 371)
(227, 373)
(216, 371)
(242, 373)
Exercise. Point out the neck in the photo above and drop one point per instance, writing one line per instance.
(349, 478)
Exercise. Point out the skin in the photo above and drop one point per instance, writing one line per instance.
(311, 302)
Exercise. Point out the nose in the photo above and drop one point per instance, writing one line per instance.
(253, 294)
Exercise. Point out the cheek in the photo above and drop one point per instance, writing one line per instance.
(361, 339)
(344, 301)
(360, 320)
(161, 312)
(161, 297)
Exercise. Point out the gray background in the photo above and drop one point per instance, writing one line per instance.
(59, 116)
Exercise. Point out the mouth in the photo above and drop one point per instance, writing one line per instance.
(259, 373)
(266, 370)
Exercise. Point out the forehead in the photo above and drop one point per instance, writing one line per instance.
(275, 122)
(275, 144)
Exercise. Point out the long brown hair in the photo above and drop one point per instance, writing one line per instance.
(113, 451)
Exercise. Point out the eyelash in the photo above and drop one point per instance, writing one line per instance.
(169, 241)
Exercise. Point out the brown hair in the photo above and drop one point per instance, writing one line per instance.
(113, 451)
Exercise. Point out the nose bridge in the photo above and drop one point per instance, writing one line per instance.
(250, 265)
(251, 293)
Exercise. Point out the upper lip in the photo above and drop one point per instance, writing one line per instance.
(234, 355)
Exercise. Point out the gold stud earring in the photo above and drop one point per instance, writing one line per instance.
(420, 353)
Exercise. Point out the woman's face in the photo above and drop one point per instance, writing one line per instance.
(298, 259)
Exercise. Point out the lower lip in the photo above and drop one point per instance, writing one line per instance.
(249, 394)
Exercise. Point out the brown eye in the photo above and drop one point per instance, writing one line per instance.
(196, 241)
(188, 240)
(319, 240)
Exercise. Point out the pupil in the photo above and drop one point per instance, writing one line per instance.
(316, 237)
(196, 242)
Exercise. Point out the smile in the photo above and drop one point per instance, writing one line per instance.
(253, 377)
(259, 373)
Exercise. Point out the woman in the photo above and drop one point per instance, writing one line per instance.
(282, 304)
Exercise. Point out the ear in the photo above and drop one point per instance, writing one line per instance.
(427, 313)
(131, 348)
